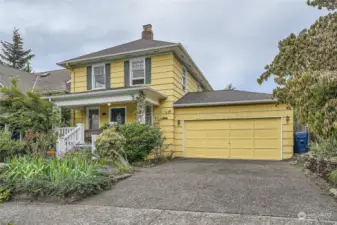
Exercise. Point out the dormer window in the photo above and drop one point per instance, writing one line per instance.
(184, 79)
(98, 76)
(137, 72)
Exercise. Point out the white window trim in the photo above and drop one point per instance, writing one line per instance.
(182, 79)
(87, 116)
(118, 107)
(1, 85)
(130, 72)
(93, 75)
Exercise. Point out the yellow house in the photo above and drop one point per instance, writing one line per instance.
(196, 121)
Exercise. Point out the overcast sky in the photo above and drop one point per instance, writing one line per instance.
(231, 41)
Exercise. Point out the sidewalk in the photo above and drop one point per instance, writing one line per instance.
(29, 213)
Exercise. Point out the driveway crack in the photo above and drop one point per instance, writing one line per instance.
(155, 218)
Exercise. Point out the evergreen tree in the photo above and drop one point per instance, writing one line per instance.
(230, 87)
(13, 54)
(28, 68)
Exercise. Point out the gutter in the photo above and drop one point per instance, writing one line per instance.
(102, 92)
(245, 102)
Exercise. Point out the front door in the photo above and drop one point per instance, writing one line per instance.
(93, 119)
(117, 115)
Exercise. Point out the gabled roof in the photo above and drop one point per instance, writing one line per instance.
(139, 44)
(55, 81)
(223, 97)
(26, 80)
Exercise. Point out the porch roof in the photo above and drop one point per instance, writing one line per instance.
(97, 97)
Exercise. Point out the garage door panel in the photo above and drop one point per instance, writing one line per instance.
(241, 153)
(218, 143)
(241, 133)
(266, 123)
(195, 142)
(236, 139)
(241, 124)
(267, 143)
(275, 133)
(241, 143)
(217, 133)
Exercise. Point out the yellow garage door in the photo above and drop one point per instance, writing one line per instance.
(234, 139)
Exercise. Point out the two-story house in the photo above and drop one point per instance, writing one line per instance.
(196, 121)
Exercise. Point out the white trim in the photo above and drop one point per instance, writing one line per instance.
(118, 107)
(238, 118)
(226, 103)
(69, 81)
(93, 75)
(87, 116)
(131, 73)
(1, 85)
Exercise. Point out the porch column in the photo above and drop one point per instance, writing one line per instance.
(140, 113)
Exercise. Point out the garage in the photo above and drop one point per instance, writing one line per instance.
(233, 125)
(233, 139)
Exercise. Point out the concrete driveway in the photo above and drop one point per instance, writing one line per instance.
(191, 191)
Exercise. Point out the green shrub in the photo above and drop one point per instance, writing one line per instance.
(325, 146)
(140, 140)
(9, 147)
(63, 177)
(333, 177)
(109, 145)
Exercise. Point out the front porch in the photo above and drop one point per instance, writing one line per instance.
(94, 109)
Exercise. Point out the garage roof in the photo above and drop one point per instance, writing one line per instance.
(223, 97)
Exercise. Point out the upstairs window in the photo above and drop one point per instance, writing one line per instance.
(184, 79)
(137, 72)
(98, 76)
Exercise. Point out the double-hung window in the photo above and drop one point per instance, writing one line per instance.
(98, 76)
(184, 79)
(137, 72)
(148, 114)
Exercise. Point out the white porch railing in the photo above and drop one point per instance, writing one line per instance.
(69, 137)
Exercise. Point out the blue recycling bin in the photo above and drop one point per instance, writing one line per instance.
(301, 142)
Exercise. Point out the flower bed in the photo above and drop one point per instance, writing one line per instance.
(66, 179)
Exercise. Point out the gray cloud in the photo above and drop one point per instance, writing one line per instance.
(231, 41)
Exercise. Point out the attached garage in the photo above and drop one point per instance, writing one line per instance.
(246, 130)
(233, 139)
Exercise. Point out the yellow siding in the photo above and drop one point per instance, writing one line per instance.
(240, 111)
(162, 80)
(79, 79)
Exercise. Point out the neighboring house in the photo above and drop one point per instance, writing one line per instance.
(26, 80)
(196, 121)
(47, 82)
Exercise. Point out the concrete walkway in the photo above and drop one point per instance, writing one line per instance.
(50, 214)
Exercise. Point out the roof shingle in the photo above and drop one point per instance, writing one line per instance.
(222, 97)
(139, 44)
